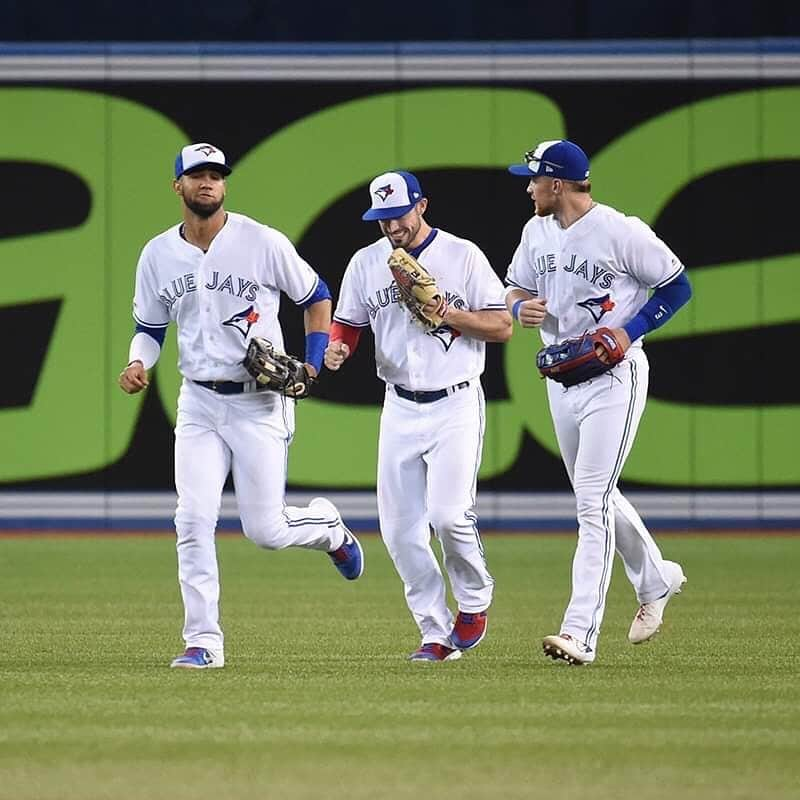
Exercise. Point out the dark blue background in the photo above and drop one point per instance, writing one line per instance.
(357, 20)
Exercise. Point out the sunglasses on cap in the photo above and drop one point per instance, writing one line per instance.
(531, 158)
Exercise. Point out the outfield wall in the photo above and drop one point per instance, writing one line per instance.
(697, 138)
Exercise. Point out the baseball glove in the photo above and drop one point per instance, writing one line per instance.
(576, 360)
(277, 371)
(417, 288)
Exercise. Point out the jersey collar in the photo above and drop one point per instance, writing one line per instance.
(415, 252)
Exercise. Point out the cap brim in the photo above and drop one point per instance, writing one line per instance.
(223, 169)
(523, 170)
(387, 213)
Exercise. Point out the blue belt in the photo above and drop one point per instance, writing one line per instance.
(230, 387)
(428, 397)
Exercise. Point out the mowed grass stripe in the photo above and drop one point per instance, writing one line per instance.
(317, 699)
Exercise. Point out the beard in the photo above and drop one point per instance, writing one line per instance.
(406, 237)
(203, 210)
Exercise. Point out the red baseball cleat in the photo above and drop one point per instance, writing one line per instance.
(469, 630)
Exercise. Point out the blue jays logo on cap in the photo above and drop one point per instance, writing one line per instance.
(393, 195)
(384, 191)
(556, 158)
(200, 155)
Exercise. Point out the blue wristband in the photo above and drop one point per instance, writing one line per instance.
(316, 342)
(515, 309)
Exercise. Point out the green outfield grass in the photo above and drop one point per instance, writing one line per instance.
(318, 701)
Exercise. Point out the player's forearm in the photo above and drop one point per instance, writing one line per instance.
(349, 334)
(317, 317)
(526, 309)
(146, 346)
(488, 326)
(658, 310)
(514, 295)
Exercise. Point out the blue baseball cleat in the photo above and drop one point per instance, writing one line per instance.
(199, 658)
(349, 557)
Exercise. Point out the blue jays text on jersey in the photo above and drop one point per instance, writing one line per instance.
(601, 277)
(185, 284)
(391, 294)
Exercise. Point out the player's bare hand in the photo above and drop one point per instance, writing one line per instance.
(335, 354)
(623, 340)
(532, 312)
(437, 305)
(133, 378)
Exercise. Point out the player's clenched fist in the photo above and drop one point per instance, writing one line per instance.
(335, 354)
(133, 378)
(532, 312)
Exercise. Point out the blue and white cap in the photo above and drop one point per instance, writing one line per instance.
(557, 158)
(393, 194)
(199, 155)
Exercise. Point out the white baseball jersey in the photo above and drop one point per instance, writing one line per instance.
(222, 298)
(405, 354)
(595, 273)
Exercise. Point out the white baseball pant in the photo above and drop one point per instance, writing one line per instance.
(428, 459)
(248, 435)
(595, 424)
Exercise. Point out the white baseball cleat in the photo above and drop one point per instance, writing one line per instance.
(650, 615)
(567, 648)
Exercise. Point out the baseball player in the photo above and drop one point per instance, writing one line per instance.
(433, 417)
(578, 266)
(218, 276)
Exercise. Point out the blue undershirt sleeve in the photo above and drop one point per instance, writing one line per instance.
(661, 306)
(322, 292)
(156, 333)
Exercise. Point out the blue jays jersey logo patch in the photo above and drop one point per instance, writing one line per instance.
(598, 307)
(446, 335)
(243, 320)
(384, 191)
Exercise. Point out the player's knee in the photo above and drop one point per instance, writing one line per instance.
(271, 533)
(446, 521)
(194, 525)
(590, 504)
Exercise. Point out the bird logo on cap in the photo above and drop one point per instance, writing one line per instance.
(384, 191)
(206, 150)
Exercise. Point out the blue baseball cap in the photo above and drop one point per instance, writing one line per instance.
(200, 155)
(557, 158)
(393, 194)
